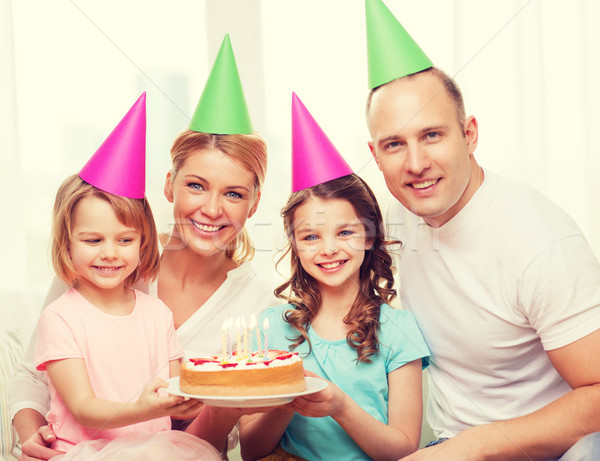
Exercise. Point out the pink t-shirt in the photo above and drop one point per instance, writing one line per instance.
(122, 354)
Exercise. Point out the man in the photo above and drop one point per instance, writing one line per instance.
(502, 282)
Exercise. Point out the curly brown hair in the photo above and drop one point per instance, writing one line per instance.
(375, 276)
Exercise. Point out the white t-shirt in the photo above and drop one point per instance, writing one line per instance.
(507, 278)
(242, 293)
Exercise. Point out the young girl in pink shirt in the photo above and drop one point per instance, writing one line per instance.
(108, 349)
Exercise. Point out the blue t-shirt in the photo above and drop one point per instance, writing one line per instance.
(400, 342)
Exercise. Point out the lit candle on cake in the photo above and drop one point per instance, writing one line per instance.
(245, 336)
(266, 335)
(224, 334)
(238, 341)
(254, 327)
(229, 339)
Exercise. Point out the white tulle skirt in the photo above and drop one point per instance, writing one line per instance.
(147, 446)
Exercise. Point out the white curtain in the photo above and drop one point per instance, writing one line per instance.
(12, 233)
(527, 70)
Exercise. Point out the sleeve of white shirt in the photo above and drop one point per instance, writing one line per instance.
(28, 387)
(559, 292)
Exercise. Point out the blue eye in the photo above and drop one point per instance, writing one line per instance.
(432, 136)
(92, 241)
(346, 233)
(310, 237)
(195, 186)
(233, 194)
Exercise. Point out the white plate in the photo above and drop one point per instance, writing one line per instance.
(236, 401)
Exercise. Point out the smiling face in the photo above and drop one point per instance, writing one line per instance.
(424, 152)
(212, 197)
(103, 250)
(330, 241)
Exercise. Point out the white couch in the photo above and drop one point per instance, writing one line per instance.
(19, 310)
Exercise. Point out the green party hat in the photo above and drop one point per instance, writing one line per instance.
(391, 51)
(222, 107)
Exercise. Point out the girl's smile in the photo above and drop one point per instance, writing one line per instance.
(103, 250)
(333, 265)
(330, 241)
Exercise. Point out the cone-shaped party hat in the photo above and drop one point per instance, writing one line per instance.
(119, 164)
(391, 51)
(315, 159)
(222, 107)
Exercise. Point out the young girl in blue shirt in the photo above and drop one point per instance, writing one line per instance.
(339, 321)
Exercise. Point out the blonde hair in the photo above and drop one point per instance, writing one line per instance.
(134, 213)
(247, 150)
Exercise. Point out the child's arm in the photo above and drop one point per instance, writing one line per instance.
(193, 407)
(71, 381)
(399, 437)
(260, 433)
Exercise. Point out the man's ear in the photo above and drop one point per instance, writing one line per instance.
(169, 186)
(374, 154)
(471, 130)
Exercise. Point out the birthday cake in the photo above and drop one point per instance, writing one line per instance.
(266, 373)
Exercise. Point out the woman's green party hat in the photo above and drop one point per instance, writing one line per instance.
(222, 107)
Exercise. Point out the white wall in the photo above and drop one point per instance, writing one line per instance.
(526, 69)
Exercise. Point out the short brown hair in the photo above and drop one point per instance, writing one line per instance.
(134, 213)
(248, 150)
(447, 82)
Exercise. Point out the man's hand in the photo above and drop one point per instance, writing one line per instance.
(463, 447)
(37, 447)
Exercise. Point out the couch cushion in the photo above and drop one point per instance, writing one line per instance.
(11, 350)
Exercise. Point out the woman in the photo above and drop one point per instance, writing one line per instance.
(205, 275)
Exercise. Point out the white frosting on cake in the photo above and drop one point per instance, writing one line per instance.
(214, 363)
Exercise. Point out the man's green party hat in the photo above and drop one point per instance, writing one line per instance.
(391, 51)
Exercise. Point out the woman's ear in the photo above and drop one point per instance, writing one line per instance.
(169, 186)
(254, 205)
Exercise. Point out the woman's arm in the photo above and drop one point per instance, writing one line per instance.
(380, 441)
(70, 378)
(37, 446)
(214, 424)
(29, 398)
(260, 433)
(174, 368)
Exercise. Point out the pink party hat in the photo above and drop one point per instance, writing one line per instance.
(119, 164)
(315, 159)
